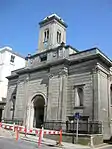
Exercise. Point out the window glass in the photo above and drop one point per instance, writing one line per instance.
(79, 96)
(58, 37)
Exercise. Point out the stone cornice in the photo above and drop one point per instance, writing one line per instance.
(101, 68)
(57, 62)
(44, 66)
(65, 61)
(12, 77)
(91, 54)
(52, 19)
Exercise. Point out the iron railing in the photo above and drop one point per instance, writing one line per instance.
(17, 122)
(84, 127)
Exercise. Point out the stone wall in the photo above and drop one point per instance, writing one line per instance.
(81, 74)
(82, 139)
(12, 86)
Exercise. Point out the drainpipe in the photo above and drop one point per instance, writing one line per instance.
(93, 95)
(108, 91)
(58, 100)
(62, 82)
(26, 84)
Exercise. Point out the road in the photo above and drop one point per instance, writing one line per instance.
(6, 143)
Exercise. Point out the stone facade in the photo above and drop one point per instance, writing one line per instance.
(68, 80)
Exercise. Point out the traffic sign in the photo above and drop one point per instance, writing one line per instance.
(77, 115)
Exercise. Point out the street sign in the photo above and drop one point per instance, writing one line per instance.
(77, 115)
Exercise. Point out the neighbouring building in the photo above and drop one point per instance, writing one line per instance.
(9, 61)
(59, 81)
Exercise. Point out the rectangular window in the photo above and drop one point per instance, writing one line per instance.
(79, 95)
(58, 37)
(12, 58)
(43, 57)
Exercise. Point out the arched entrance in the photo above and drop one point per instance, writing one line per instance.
(38, 104)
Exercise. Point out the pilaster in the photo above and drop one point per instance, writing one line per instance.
(57, 95)
(63, 74)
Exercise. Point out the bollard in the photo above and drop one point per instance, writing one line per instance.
(17, 134)
(91, 144)
(14, 127)
(40, 138)
(25, 130)
(42, 133)
(60, 141)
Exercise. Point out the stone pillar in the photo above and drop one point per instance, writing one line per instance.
(57, 95)
(49, 104)
(63, 75)
(94, 78)
(31, 118)
(28, 116)
(26, 84)
(45, 112)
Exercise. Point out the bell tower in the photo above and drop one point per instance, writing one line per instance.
(52, 32)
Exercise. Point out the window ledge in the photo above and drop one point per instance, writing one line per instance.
(79, 107)
(12, 63)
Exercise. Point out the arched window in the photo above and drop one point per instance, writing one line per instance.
(58, 37)
(13, 100)
(79, 96)
(46, 35)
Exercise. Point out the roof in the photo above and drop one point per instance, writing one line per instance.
(9, 49)
(53, 17)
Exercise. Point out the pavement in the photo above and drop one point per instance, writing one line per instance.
(50, 142)
(5, 133)
(65, 145)
(8, 141)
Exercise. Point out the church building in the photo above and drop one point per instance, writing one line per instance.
(59, 81)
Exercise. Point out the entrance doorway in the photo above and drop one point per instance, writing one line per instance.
(39, 103)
